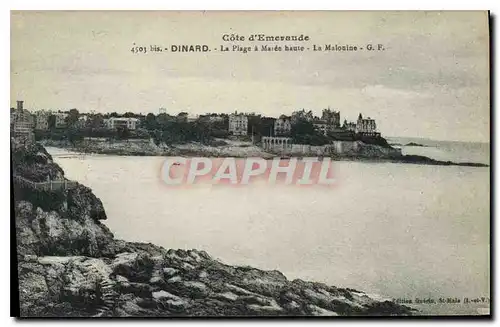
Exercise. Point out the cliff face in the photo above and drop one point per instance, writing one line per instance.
(60, 233)
(69, 264)
(34, 163)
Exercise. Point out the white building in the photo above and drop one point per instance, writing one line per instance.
(331, 117)
(366, 125)
(22, 124)
(238, 124)
(192, 119)
(214, 119)
(282, 126)
(302, 115)
(42, 120)
(322, 127)
(83, 120)
(61, 119)
(349, 126)
(211, 118)
(115, 122)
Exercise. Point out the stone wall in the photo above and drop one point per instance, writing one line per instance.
(337, 148)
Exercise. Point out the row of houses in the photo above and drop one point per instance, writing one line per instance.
(39, 120)
(238, 122)
(328, 123)
(23, 123)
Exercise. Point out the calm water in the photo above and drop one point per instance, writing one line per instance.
(444, 150)
(391, 229)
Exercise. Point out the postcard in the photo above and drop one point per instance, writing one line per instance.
(250, 163)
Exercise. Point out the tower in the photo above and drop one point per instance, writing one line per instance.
(20, 105)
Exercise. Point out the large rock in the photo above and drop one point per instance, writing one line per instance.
(121, 286)
(35, 163)
(47, 233)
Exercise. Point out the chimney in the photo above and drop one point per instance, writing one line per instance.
(20, 105)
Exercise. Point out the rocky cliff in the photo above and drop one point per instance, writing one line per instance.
(69, 264)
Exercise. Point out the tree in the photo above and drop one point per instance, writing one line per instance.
(51, 121)
(157, 137)
(201, 131)
(182, 116)
(122, 133)
(72, 117)
(267, 126)
(302, 127)
(96, 121)
(303, 132)
(140, 133)
(74, 135)
(150, 122)
(254, 123)
(302, 115)
(130, 115)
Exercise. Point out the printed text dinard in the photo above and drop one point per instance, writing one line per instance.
(258, 43)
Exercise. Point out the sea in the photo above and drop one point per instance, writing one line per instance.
(407, 232)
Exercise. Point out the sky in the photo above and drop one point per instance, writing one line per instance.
(431, 80)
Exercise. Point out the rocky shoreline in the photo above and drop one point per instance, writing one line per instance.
(70, 265)
(368, 152)
(422, 160)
